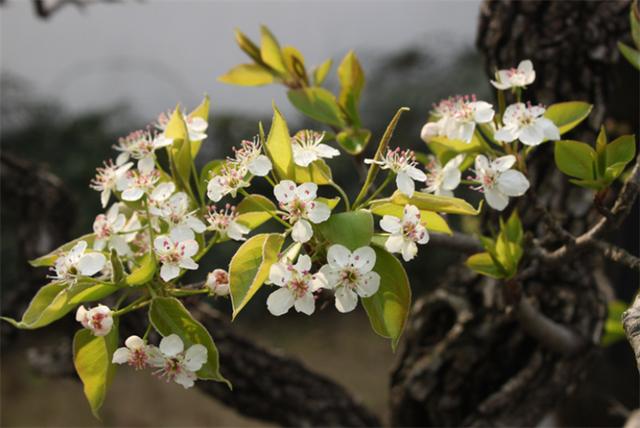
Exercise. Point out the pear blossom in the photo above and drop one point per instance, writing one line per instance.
(498, 182)
(297, 287)
(300, 204)
(230, 179)
(175, 212)
(350, 275)
(307, 147)
(136, 353)
(224, 222)
(140, 145)
(526, 123)
(405, 232)
(107, 178)
(443, 180)
(515, 77)
(176, 364)
(250, 157)
(99, 319)
(159, 196)
(403, 164)
(196, 126)
(174, 252)
(457, 118)
(218, 282)
(136, 183)
(78, 263)
(107, 228)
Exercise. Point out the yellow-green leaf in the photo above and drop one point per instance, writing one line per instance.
(351, 79)
(429, 219)
(568, 115)
(254, 210)
(202, 111)
(317, 172)
(247, 75)
(575, 158)
(278, 147)
(435, 203)
(353, 229)
(270, 51)
(354, 141)
(248, 46)
(50, 259)
(317, 103)
(294, 61)
(483, 264)
(321, 71)
(144, 272)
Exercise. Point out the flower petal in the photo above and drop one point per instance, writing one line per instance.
(91, 263)
(304, 264)
(260, 166)
(368, 284)
(346, 299)
(301, 231)
(279, 274)
(496, 199)
(121, 356)
(503, 163)
(391, 224)
(171, 345)
(284, 191)
(195, 357)
(318, 212)
(169, 271)
(363, 259)
(134, 342)
(338, 256)
(513, 183)
(405, 184)
(280, 301)
(307, 191)
(305, 304)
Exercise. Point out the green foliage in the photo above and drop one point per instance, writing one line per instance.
(117, 269)
(613, 329)
(319, 104)
(568, 115)
(429, 202)
(278, 147)
(249, 267)
(388, 309)
(169, 316)
(354, 141)
(247, 75)
(352, 229)
(502, 255)
(56, 299)
(202, 111)
(92, 360)
(633, 55)
(50, 258)
(254, 210)
(351, 78)
(429, 219)
(144, 272)
(180, 150)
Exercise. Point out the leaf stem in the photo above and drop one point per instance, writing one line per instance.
(267, 209)
(382, 186)
(340, 190)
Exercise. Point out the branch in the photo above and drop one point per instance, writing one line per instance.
(458, 242)
(631, 324)
(617, 254)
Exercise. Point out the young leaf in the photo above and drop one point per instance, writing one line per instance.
(388, 308)
(317, 172)
(278, 147)
(254, 210)
(351, 79)
(321, 71)
(435, 203)
(56, 299)
(294, 61)
(601, 152)
(568, 115)
(632, 55)
(575, 159)
(247, 75)
(249, 267)
(317, 103)
(483, 264)
(92, 360)
(354, 141)
(248, 46)
(144, 272)
(353, 229)
(168, 316)
(613, 330)
(621, 150)
(270, 51)
(180, 150)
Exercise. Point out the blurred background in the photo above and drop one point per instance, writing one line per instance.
(72, 83)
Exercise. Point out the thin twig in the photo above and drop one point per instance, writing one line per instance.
(458, 241)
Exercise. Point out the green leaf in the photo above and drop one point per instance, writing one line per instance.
(575, 159)
(249, 267)
(255, 210)
(180, 150)
(321, 71)
(92, 359)
(331, 203)
(621, 150)
(613, 329)
(634, 17)
(317, 172)
(435, 203)
(50, 259)
(210, 169)
(353, 229)
(168, 316)
(432, 221)
(483, 264)
(278, 147)
(270, 51)
(632, 55)
(568, 115)
(294, 61)
(202, 111)
(317, 103)
(56, 299)
(144, 272)
(117, 270)
(513, 228)
(247, 75)
(248, 46)
(351, 79)
(601, 152)
(354, 141)
(388, 308)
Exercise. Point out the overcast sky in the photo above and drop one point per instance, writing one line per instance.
(152, 54)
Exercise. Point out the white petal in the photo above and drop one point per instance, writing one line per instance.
(326, 151)
(483, 112)
(319, 280)
(306, 304)
(132, 194)
(304, 264)
(423, 234)
(120, 356)
(510, 116)
(368, 285)
(496, 199)
(391, 224)
(513, 183)
(506, 133)
(327, 277)
(530, 135)
(134, 342)
(465, 132)
(91, 263)
(146, 164)
(236, 231)
(503, 163)
(280, 301)
(181, 233)
(163, 191)
(363, 259)
(409, 250)
(188, 248)
(346, 299)
(303, 157)
(549, 129)
(214, 191)
(319, 212)
(301, 231)
(284, 191)
(104, 197)
(169, 271)
(338, 256)
(162, 244)
(171, 345)
(279, 274)
(525, 66)
(405, 184)
(195, 224)
(195, 357)
(429, 131)
(394, 243)
(307, 191)
(188, 263)
(481, 163)
(411, 214)
(260, 166)
(81, 315)
(451, 178)
(185, 377)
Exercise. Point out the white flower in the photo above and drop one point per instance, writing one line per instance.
(136, 353)
(298, 285)
(224, 222)
(99, 319)
(175, 212)
(457, 118)
(107, 228)
(301, 205)
(75, 263)
(159, 196)
(515, 77)
(498, 182)
(227, 182)
(308, 147)
(175, 252)
(405, 232)
(135, 184)
(196, 126)
(403, 163)
(526, 123)
(443, 180)
(106, 179)
(351, 275)
(218, 282)
(249, 156)
(177, 365)
(140, 145)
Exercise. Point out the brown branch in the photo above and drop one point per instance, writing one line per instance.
(617, 254)
(457, 242)
(631, 324)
